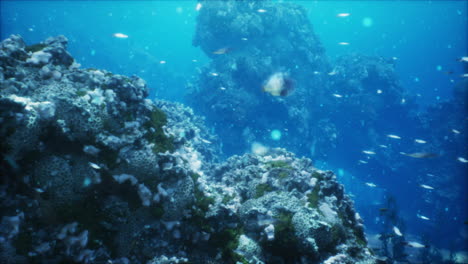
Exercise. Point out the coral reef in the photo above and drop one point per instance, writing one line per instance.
(92, 172)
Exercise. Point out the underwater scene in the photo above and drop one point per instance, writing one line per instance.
(238, 132)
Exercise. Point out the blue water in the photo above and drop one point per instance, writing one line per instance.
(425, 38)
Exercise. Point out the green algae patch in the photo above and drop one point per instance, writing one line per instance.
(155, 134)
(286, 244)
(278, 164)
(262, 189)
(313, 197)
(35, 47)
(227, 241)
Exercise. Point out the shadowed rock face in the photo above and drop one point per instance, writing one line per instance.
(92, 172)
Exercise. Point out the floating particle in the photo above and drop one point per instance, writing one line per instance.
(259, 149)
(379, 91)
(439, 68)
(343, 15)
(275, 134)
(120, 35)
(416, 79)
(86, 182)
(367, 22)
(162, 62)
(198, 7)
(93, 52)
(179, 10)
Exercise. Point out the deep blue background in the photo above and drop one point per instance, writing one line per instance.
(426, 38)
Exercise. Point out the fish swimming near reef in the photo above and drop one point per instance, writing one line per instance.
(420, 155)
(278, 84)
(222, 51)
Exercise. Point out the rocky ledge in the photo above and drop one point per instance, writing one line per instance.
(93, 172)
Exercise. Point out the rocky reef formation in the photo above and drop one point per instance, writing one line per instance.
(92, 172)
(342, 111)
(247, 42)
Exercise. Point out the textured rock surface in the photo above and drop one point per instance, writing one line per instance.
(92, 172)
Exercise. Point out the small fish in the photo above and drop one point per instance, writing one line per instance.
(430, 175)
(420, 155)
(397, 231)
(198, 7)
(383, 146)
(368, 152)
(337, 95)
(214, 74)
(221, 51)
(205, 141)
(343, 43)
(332, 73)
(461, 159)
(278, 84)
(343, 14)
(261, 10)
(222, 88)
(94, 166)
(393, 136)
(415, 244)
(420, 141)
(455, 131)
(370, 184)
(463, 59)
(162, 62)
(362, 161)
(423, 217)
(244, 39)
(39, 190)
(120, 35)
(465, 75)
(426, 187)
(379, 91)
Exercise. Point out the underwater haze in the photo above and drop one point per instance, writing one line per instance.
(225, 130)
